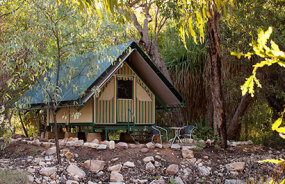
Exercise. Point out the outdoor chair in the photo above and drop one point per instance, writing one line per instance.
(188, 131)
(158, 131)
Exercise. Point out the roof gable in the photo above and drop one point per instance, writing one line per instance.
(108, 64)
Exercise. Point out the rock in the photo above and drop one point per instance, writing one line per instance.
(31, 170)
(69, 155)
(205, 171)
(115, 168)
(47, 171)
(71, 182)
(178, 180)
(65, 150)
(175, 146)
(100, 173)
(149, 166)
(94, 165)
(166, 146)
(132, 145)
(234, 181)
(96, 141)
(150, 145)
(172, 169)
(157, 164)
(157, 145)
(91, 136)
(112, 145)
(102, 147)
(51, 151)
(74, 170)
(236, 166)
(91, 145)
(148, 159)
(129, 164)
(159, 181)
(122, 145)
(116, 177)
(90, 182)
(186, 153)
(144, 150)
(30, 178)
(74, 143)
(105, 142)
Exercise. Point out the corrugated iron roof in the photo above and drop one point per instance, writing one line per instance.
(81, 67)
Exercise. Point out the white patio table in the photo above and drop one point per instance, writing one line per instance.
(177, 133)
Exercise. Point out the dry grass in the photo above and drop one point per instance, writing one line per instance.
(13, 177)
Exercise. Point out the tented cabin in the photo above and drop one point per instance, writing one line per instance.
(124, 94)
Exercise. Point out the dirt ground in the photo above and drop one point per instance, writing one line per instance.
(209, 157)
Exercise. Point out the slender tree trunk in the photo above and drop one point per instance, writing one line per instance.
(213, 26)
(55, 133)
(234, 127)
(26, 133)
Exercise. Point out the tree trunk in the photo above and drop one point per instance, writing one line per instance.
(233, 130)
(152, 50)
(213, 26)
(55, 133)
(210, 114)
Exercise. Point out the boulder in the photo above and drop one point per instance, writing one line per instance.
(47, 171)
(236, 166)
(144, 150)
(148, 159)
(105, 142)
(116, 177)
(175, 146)
(91, 145)
(186, 153)
(51, 151)
(71, 182)
(157, 145)
(115, 168)
(172, 169)
(178, 180)
(75, 143)
(149, 166)
(69, 155)
(205, 171)
(129, 164)
(74, 170)
(94, 165)
(101, 147)
(112, 145)
(69, 134)
(96, 141)
(91, 136)
(150, 145)
(122, 145)
(132, 145)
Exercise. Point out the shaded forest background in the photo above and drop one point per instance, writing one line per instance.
(188, 68)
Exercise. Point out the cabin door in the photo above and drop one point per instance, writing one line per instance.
(125, 100)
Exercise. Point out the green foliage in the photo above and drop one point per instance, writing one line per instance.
(13, 177)
(271, 55)
(203, 132)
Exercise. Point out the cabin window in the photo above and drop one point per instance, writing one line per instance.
(125, 89)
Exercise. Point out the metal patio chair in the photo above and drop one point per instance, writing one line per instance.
(188, 131)
(157, 131)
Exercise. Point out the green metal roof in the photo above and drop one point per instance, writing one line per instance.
(83, 65)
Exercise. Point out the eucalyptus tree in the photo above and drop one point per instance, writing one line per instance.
(51, 34)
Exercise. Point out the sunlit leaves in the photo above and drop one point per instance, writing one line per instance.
(271, 54)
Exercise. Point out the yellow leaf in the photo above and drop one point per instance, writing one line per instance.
(45, 79)
(276, 124)
(281, 130)
(271, 161)
(192, 32)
